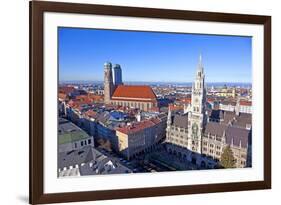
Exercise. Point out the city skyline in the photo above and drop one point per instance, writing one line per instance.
(123, 128)
(151, 54)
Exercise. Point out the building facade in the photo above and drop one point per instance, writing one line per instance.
(140, 137)
(197, 117)
(200, 135)
(88, 161)
(71, 137)
(244, 106)
(218, 136)
(134, 96)
(227, 106)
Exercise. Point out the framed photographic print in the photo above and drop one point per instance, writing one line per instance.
(139, 102)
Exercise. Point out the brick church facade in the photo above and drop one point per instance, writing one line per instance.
(135, 96)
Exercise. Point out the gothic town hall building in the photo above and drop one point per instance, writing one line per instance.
(200, 135)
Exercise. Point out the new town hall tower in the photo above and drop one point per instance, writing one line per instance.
(197, 117)
(199, 135)
(186, 130)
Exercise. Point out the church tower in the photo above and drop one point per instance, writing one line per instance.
(108, 82)
(197, 116)
(117, 75)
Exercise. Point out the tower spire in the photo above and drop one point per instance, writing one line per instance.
(200, 64)
(169, 117)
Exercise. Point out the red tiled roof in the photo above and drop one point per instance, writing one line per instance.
(136, 127)
(245, 103)
(155, 120)
(76, 104)
(66, 89)
(210, 99)
(95, 97)
(84, 99)
(81, 97)
(134, 91)
(186, 100)
(91, 113)
(228, 103)
(175, 107)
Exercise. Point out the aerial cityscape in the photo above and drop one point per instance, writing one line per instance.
(134, 124)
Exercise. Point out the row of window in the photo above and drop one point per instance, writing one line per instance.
(134, 104)
(238, 155)
(211, 151)
(196, 109)
(178, 137)
(179, 129)
(211, 145)
(178, 141)
(83, 143)
(175, 135)
(213, 137)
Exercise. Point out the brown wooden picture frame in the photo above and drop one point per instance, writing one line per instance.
(37, 8)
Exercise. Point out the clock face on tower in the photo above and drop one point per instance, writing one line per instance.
(194, 130)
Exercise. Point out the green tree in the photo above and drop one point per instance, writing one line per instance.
(227, 158)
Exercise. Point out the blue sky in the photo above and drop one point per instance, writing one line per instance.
(153, 56)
